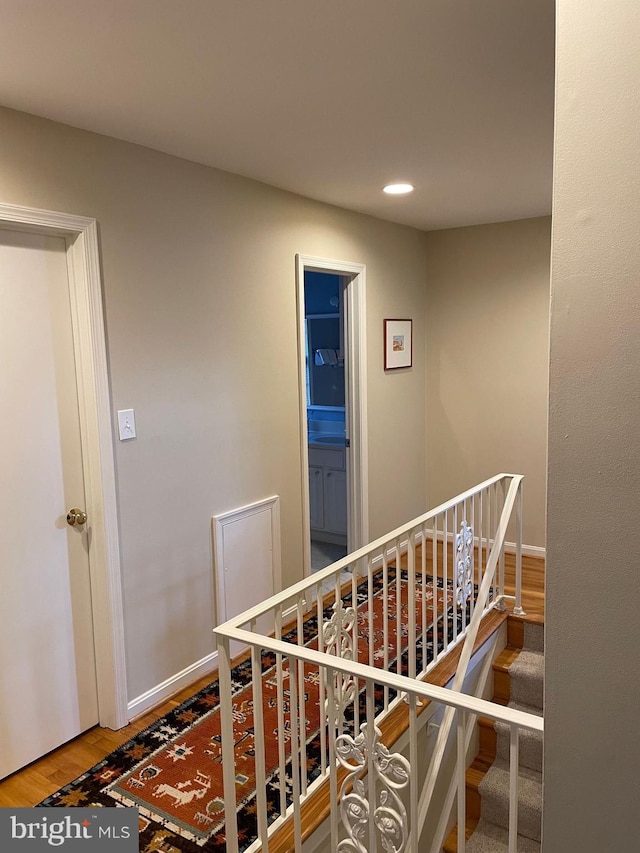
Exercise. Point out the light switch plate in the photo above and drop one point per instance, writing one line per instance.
(126, 424)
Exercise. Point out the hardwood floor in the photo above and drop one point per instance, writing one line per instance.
(29, 786)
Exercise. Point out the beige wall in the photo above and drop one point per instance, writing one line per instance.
(199, 282)
(592, 748)
(487, 360)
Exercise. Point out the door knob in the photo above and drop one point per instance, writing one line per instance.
(76, 517)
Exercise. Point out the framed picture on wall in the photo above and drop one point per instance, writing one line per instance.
(398, 344)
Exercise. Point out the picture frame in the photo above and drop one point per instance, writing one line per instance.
(398, 344)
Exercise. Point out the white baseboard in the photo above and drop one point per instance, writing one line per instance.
(172, 685)
(527, 550)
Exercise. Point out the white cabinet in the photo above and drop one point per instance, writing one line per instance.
(335, 501)
(316, 497)
(328, 493)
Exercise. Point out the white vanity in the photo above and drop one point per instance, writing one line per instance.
(328, 491)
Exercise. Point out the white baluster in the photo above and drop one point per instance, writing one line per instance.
(411, 600)
(302, 716)
(454, 573)
(445, 581)
(423, 588)
(474, 587)
(461, 772)
(295, 752)
(385, 605)
(333, 761)
(370, 612)
(228, 757)
(413, 781)
(514, 763)
(321, 686)
(434, 592)
(398, 608)
(481, 556)
(503, 488)
(282, 760)
(518, 605)
(258, 739)
(355, 605)
(371, 768)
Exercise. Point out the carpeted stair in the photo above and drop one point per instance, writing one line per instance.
(518, 682)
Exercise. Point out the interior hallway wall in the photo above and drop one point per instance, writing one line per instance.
(591, 744)
(487, 360)
(199, 288)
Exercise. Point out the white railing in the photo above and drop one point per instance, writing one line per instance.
(315, 699)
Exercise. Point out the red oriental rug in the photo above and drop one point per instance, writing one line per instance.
(172, 771)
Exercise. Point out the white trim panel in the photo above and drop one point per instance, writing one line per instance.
(219, 522)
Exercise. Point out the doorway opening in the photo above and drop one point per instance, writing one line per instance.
(332, 409)
(326, 416)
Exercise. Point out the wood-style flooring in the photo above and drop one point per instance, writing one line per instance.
(31, 785)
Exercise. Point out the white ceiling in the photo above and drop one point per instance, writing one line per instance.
(328, 98)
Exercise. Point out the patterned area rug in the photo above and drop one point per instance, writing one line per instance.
(172, 771)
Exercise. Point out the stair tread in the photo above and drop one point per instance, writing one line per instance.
(530, 658)
(506, 658)
(509, 655)
(476, 773)
(526, 679)
(530, 742)
(491, 838)
(494, 790)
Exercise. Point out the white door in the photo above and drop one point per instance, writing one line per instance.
(47, 668)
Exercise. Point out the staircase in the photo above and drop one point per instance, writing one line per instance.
(518, 682)
(391, 808)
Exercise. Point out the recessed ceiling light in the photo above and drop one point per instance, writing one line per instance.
(398, 189)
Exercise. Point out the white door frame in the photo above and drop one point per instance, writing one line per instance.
(356, 397)
(85, 290)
